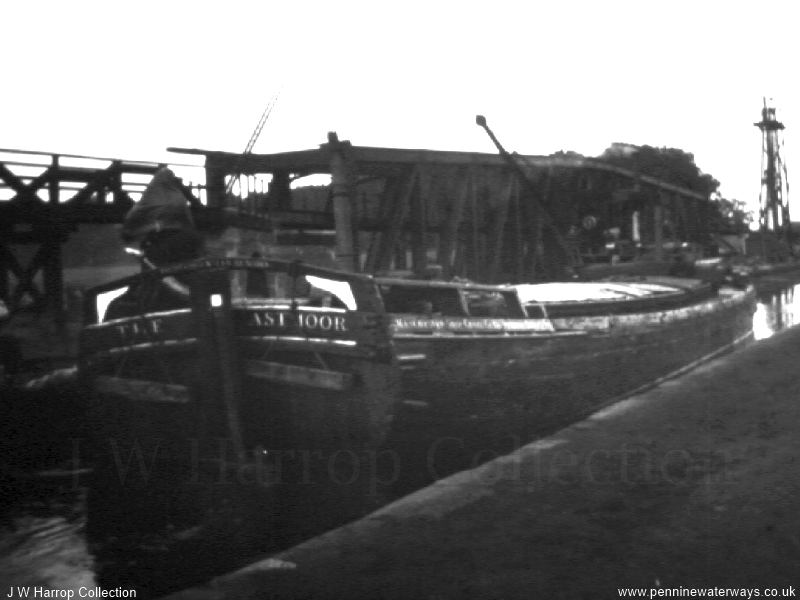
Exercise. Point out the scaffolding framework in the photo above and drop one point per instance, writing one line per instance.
(463, 214)
(43, 201)
(773, 199)
(385, 210)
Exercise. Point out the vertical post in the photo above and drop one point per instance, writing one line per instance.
(555, 255)
(279, 192)
(389, 199)
(5, 262)
(535, 266)
(498, 229)
(53, 277)
(702, 211)
(215, 184)
(519, 244)
(474, 242)
(53, 280)
(115, 182)
(658, 229)
(343, 200)
(218, 368)
(53, 181)
(419, 223)
(448, 244)
(392, 225)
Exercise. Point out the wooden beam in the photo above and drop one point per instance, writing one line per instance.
(53, 187)
(449, 239)
(25, 192)
(474, 246)
(11, 180)
(555, 256)
(519, 243)
(531, 235)
(658, 230)
(5, 267)
(498, 228)
(684, 232)
(397, 217)
(370, 158)
(392, 189)
(218, 385)
(24, 274)
(215, 186)
(95, 186)
(53, 279)
(343, 192)
(419, 220)
(9, 261)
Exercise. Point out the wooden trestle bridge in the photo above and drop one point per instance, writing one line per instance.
(44, 197)
(386, 209)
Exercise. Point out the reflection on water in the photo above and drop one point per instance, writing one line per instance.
(42, 540)
(70, 531)
(150, 539)
(776, 311)
(67, 529)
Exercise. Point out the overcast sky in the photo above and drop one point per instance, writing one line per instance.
(129, 79)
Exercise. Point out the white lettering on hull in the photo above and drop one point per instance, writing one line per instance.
(307, 321)
(139, 329)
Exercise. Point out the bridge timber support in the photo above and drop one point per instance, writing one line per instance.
(382, 210)
(43, 198)
(457, 214)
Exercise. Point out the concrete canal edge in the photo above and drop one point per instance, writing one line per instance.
(693, 483)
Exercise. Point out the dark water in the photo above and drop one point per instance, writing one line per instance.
(65, 526)
(72, 523)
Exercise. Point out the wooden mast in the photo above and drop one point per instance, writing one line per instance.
(342, 194)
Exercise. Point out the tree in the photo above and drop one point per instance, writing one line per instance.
(668, 164)
(678, 168)
(731, 216)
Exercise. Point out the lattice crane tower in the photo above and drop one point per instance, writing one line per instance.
(774, 195)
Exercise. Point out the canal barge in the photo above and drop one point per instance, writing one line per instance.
(276, 356)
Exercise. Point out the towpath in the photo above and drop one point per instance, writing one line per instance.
(693, 484)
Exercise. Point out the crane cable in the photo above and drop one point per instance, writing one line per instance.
(252, 142)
